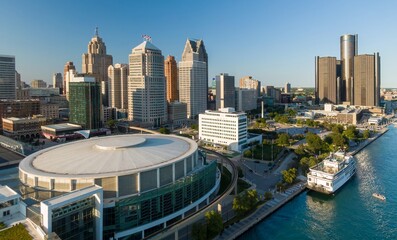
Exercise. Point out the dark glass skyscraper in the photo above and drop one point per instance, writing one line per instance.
(7, 77)
(85, 102)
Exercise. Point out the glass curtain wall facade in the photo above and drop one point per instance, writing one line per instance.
(75, 221)
(147, 207)
(85, 104)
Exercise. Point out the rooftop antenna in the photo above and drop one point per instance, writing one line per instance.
(96, 32)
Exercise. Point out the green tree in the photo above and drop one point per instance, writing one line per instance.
(214, 223)
(281, 118)
(194, 126)
(252, 198)
(312, 161)
(289, 175)
(351, 132)
(314, 142)
(111, 123)
(280, 186)
(164, 130)
(366, 134)
(310, 122)
(337, 128)
(338, 140)
(268, 195)
(291, 112)
(283, 139)
(248, 153)
(245, 201)
(300, 150)
(199, 231)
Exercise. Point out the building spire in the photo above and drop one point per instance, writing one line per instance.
(96, 32)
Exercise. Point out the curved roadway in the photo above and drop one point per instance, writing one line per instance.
(213, 205)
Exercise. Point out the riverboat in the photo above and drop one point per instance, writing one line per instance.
(332, 173)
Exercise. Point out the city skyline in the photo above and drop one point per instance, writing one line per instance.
(261, 39)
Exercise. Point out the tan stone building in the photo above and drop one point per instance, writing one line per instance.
(38, 83)
(118, 86)
(23, 128)
(49, 110)
(367, 80)
(96, 62)
(66, 76)
(193, 77)
(171, 77)
(18, 108)
(248, 82)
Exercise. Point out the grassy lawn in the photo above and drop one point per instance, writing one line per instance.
(242, 185)
(17, 232)
(267, 152)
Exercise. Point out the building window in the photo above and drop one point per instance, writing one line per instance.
(6, 213)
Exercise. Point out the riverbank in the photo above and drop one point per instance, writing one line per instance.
(263, 211)
(312, 215)
(280, 199)
(368, 141)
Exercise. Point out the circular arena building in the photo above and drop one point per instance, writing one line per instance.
(148, 181)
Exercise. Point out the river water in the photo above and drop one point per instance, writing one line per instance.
(352, 213)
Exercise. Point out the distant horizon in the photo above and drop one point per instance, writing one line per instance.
(274, 42)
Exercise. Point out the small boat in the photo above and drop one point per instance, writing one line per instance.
(379, 196)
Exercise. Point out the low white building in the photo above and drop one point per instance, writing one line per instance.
(10, 203)
(374, 121)
(225, 127)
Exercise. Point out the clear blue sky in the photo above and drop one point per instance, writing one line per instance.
(273, 41)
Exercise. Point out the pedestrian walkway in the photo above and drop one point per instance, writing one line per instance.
(262, 212)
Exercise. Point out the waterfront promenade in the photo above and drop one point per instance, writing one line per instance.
(264, 210)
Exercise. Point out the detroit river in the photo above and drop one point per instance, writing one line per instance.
(352, 213)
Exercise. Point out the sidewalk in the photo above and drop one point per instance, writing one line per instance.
(262, 212)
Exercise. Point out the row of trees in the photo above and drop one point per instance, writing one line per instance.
(245, 202)
(213, 225)
(317, 149)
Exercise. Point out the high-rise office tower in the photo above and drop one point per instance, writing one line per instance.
(18, 80)
(68, 66)
(348, 49)
(287, 88)
(118, 86)
(367, 80)
(84, 102)
(146, 85)
(339, 81)
(7, 77)
(38, 83)
(225, 91)
(171, 76)
(96, 62)
(248, 82)
(57, 81)
(193, 78)
(68, 77)
(326, 80)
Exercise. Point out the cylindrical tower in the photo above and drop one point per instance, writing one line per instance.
(348, 49)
